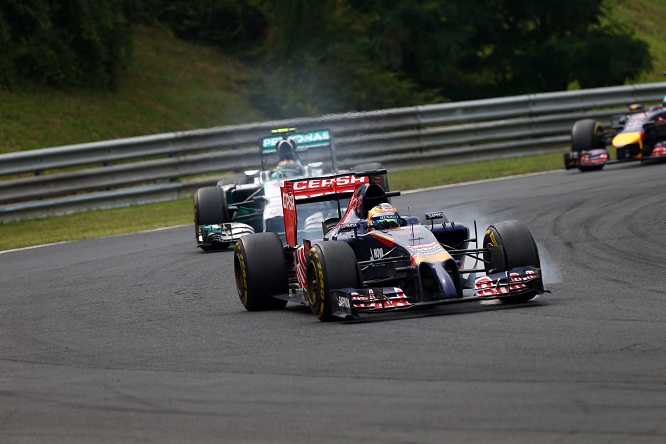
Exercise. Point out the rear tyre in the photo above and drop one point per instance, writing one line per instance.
(260, 269)
(510, 245)
(331, 265)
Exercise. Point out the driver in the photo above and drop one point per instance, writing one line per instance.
(287, 169)
(383, 217)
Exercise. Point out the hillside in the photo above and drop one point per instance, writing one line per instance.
(174, 86)
(646, 18)
(171, 86)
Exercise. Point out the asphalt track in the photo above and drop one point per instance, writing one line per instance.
(141, 338)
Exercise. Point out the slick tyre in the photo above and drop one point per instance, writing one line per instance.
(260, 269)
(209, 208)
(510, 245)
(586, 135)
(331, 265)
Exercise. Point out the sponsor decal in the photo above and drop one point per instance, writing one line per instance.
(328, 182)
(243, 272)
(288, 201)
(379, 298)
(429, 249)
(300, 266)
(485, 286)
(593, 159)
(307, 140)
(350, 226)
(343, 302)
(435, 215)
(659, 152)
(426, 246)
(376, 253)
(491, 235)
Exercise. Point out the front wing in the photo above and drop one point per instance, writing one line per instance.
(221, 235)
(592, 159)
(349, 303)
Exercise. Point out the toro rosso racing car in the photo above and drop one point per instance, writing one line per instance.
(372, 260)
(639, 135)
(226, 212)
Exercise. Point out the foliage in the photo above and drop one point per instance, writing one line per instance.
(540, 46)
(230, 25)
(330, 56)
(171, 85)
(60, 44)
(337, 55)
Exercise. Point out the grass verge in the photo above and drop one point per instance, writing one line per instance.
(137, 218)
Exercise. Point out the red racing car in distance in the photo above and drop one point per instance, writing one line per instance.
(346, 266)
(639, 135)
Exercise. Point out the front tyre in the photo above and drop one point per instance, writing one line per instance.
(587, 135)
(510, 244)
(209, 208)
(331, 265)
(260, 268)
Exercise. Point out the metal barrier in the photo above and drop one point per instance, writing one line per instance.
(121, 172)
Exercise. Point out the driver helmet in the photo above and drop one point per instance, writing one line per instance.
(663, 102)
(383, 216)
(286, 149)
(287, 169)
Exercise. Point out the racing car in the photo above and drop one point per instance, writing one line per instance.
(226, 212)
(639, 135)
(371, 260)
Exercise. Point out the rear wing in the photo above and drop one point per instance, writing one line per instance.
(304, 141)
(316, 189)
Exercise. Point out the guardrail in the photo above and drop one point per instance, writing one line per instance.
(108, 174)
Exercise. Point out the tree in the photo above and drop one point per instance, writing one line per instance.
(230, 25)
(63, 44)
(528, 47)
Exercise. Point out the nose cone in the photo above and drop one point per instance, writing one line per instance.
(624, 139)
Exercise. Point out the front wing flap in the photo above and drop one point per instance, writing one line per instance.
(517, 281)
(349, 303)
(222, 234)
(592, 158)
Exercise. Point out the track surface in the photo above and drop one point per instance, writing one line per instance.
(142, 338)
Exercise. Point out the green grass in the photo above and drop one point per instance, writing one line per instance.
(448, 174)
(180, 212)
(646, 18)
(95, 224)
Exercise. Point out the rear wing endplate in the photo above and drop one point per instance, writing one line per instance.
(315, 189)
